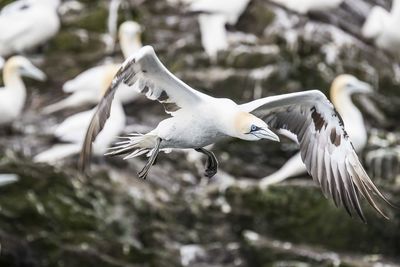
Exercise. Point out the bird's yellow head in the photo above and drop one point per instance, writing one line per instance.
(22, 66)
(129, 35)
(346, 84)
(249, 127)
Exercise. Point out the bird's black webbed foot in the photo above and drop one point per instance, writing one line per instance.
(143, 173)
(211, 163)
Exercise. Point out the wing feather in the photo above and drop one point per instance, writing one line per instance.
(325, 146)
(145, 72)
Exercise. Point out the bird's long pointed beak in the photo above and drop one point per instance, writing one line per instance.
(363, 87)
(34, 73)
(268, 134)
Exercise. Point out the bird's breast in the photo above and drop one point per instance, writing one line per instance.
(188, 131)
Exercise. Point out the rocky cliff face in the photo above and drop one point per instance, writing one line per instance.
(55, 216)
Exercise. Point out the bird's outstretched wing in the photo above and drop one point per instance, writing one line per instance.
(144, 71)
(325, 146)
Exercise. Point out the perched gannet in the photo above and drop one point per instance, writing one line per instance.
(305, 6)
(212, 20)
(343, 87)
(129, 35)
(13, 94)
(199, 120)
(27, 24)
(382, 27)
(86, 88)
(72, 131)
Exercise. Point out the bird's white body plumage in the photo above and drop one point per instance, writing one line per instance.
(305, 6)
(24, 26)
(12, 98)
(90, 79)
(382, 27)
(197, 126)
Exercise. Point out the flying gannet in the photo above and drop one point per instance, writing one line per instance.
(305, 6)
(13, 94)
(198, 120)
(27, 24)
(343, 87)
(382, 27)
(214, 15)
(86, 88)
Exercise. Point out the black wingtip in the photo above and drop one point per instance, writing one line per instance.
(394, 206)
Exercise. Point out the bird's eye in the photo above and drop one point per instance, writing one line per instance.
(254, 128)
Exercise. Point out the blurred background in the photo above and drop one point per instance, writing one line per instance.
(53, 215)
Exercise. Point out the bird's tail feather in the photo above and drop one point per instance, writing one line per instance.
(134, 145)
(57, 152)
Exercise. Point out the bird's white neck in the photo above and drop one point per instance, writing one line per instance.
(15, 86)
(352, 118)
(395, 11)
(130, 45)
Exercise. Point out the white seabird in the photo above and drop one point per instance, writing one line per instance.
(305, 6)
(343, 87)
(72, 131)
(383, 28)
(199, 120)
(8, 178)
(13, 94)
(212, 20)
(27, 24)
(87, 87)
